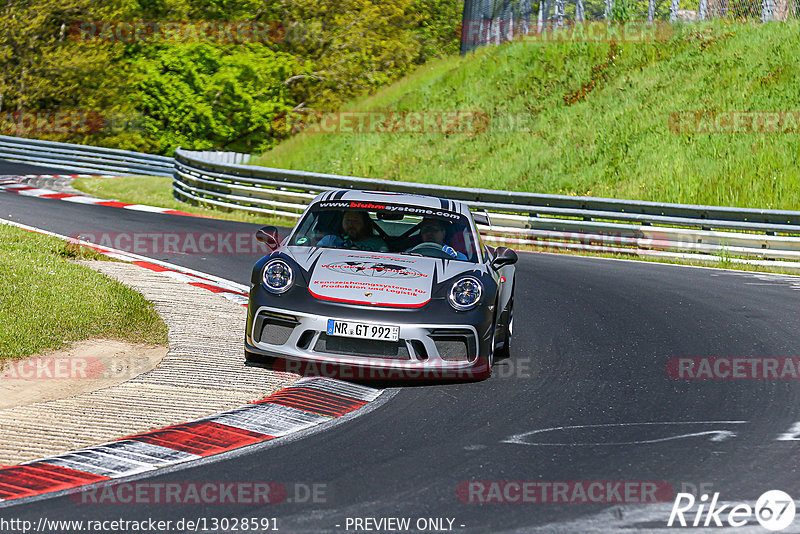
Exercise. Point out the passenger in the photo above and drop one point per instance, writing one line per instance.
(435, 231)
(358, 231)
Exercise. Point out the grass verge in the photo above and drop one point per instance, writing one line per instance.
(47, 301)
(594, 118)
(157, 191)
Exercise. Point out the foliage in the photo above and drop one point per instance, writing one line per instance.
(437, 23)
(354, 45)
(621, 11)
(154, 96)
(41, 68)
(200, 96)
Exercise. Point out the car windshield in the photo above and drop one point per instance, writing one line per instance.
(387, 228)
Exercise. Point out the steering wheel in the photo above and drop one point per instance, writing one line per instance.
(431, 249)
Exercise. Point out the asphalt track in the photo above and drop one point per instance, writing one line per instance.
(593, 338)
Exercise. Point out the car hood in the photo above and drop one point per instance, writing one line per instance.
(370, 278)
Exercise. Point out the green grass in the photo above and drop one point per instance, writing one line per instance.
(611, 141)
(157, 191)
(47, 301)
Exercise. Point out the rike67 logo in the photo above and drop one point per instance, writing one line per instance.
(774, 511)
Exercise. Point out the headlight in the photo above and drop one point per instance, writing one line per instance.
(278, 276)
(465, 293)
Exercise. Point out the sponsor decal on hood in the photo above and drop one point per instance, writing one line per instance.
(372, 278)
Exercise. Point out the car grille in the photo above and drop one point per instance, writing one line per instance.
(367, 348)
(274, 328)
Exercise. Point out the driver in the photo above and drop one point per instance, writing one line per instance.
(434, 231)
(357, 232)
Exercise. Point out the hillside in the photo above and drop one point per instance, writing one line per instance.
(596, 119)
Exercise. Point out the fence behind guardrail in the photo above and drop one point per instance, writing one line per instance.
(496, 21)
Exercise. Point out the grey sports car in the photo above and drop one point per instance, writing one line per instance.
(381, 285)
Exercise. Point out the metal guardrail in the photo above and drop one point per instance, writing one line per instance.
(515, 218)
(519, 219)
(83, 158)
(219, 156)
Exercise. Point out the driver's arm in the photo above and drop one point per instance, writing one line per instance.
(331, 240)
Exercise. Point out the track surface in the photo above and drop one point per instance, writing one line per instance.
(8, 167)
(593, 338)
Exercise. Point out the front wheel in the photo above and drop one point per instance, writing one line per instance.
(505, 350)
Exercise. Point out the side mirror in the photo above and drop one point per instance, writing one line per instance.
(269, 236)
(503, 256)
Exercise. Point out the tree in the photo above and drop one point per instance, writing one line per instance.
(206, 96)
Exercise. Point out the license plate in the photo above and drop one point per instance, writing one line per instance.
(363, 330)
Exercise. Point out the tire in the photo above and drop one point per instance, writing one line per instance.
(505, 351)
(486, 373)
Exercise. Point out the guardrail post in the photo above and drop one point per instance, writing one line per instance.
(766, 10)
(674, 6)
(608, 10)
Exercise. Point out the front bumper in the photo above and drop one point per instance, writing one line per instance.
(423, 349)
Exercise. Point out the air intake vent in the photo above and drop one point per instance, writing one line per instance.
(453, 351)
(454, 345)
(367, 348)
(275, 334)
(275, 329)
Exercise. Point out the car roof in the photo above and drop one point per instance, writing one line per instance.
(421, 201)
